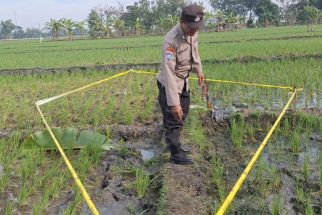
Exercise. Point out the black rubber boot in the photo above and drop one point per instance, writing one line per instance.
(185, 149)
(181, 159)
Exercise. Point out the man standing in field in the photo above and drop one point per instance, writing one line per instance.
(180, 57)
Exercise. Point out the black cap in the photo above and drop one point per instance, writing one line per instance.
(193, 15)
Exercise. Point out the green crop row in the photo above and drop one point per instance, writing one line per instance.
(224, 51)
(31, 54)
(20, 92)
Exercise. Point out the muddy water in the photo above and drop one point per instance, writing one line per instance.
(304, 100)
(112, 190)
(259, 192)
(290, 168)
(147, 154)
(309, 100)
(188, 189)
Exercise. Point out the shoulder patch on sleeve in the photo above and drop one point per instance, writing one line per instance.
(170, 49)
(169, 53)
(169, 57)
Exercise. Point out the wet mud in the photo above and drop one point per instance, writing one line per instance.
(113, 180)
(183, 190)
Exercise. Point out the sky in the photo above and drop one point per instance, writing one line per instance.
(35, 13)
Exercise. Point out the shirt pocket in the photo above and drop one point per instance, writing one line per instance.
(183, 56)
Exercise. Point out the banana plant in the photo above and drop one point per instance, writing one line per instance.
(68, 138)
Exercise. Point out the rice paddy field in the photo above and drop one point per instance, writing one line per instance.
(113, 136)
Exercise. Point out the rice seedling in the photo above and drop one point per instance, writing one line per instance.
(308, 207)
(259, 169)
(286, 127)
(148, 95)
(83, 163)
(4, 180)
(57, 184)
(295, 141)
(124, 152)
(277, 205)
(131, 209)
(306, 122)
(142, 182)
(50, 192)
(195, 131)
(300, 194)
(74, 206)
(4, 165)
(162, 201)
(108, 132)
(320, 169)
(306, 168)
(251, 131)
(216, 174)
(237, 132)
(276, 177)
(279, 151)
(9, 209)
(37, 208)
(24, 193)
(94, 151)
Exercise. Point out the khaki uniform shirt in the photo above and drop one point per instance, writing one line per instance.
(179, 57)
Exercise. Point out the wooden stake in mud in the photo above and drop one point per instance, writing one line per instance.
(294, 100)
(205, 94)
(294, 108)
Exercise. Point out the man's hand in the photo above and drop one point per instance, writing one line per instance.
(177, 112)
(201, 78)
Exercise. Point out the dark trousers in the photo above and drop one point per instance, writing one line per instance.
(173, 126)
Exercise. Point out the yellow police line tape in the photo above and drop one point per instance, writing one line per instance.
(44, 101)
(228, 82)
(252, 84)
(70, 167)
(243, 176)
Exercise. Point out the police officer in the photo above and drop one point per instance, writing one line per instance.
(180, 57)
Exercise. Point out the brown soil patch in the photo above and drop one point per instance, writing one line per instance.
(186, 190)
